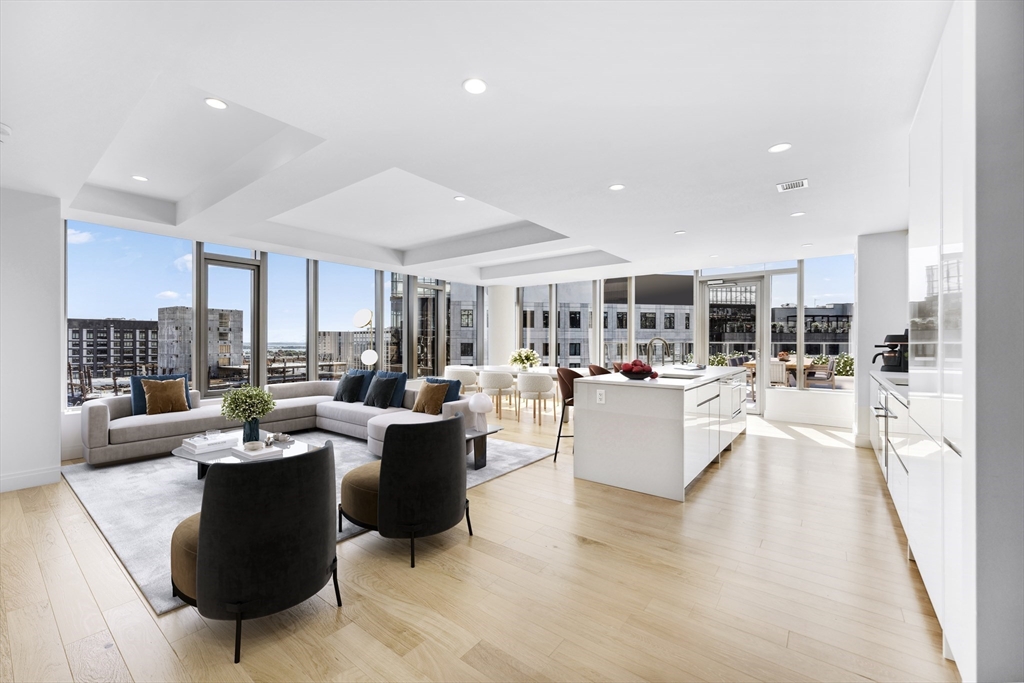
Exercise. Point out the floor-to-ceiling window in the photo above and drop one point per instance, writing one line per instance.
(343, 292)
(615, 321)
(129, 308)
(664, 310)
(828, 321)
(430, 302)
(464, 321)
(286, 318)
(574, 321)
(533, 327)
(394, 302)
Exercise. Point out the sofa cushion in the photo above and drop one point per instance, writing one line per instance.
(454, 387)
(294, 408)
(349, 388)
(353, 413)
(165, 396)
(377, 426)
(399, 393)
(300, 389)
(139, 394)
(368, 374)
(147, 427)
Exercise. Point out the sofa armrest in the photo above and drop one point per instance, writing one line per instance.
(194, 398)
(450, 408)
(95, 424)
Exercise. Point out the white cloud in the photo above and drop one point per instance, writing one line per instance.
(79, 236)
(184, 263)
(167, 295)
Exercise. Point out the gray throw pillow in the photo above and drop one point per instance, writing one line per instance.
(349, 388)
(380, 391)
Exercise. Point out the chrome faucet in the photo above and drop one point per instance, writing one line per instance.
(650, 346)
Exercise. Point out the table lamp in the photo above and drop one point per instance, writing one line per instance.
(480, 405)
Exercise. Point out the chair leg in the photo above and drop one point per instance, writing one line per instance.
(558, 439)
(238, 637)
(469, 522)
(337, 590)
(340, 517)
(412, 550)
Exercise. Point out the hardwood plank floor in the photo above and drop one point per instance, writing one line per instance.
(786, 562)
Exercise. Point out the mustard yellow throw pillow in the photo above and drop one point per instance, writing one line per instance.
(430, 398)
(167, 396)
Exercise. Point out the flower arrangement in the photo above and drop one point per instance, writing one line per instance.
(524, 358)
(246, 403)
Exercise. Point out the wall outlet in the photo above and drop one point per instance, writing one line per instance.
(600, 397)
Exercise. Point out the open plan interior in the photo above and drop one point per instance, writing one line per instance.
(511, 341)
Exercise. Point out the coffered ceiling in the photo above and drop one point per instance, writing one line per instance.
(347, 134)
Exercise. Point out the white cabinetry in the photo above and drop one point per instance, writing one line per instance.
(732, 410)
(701, 429)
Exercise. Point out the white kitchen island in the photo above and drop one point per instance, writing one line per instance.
(656, 435)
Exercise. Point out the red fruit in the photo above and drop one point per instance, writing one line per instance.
(637, 361)
(647, 368)
(654, 375)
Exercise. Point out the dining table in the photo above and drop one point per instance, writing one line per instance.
(790, 365)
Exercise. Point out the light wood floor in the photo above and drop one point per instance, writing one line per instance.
(785, 563)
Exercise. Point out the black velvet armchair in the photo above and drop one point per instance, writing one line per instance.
(264, 540)
(418, 488)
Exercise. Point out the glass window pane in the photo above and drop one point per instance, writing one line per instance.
(286, 318)
(661, 300)
(828, 319)
(394, 291)
(228, 329)
(462, 324)
(533, 326)
(783, 330)
(732, 320)
(429, 304)
(575, 304)
(343, 291)
(115, 331)
(210, 248)
(615, 321)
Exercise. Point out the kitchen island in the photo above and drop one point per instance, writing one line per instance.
(656, 435)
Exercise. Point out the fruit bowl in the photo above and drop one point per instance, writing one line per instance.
(637, 375)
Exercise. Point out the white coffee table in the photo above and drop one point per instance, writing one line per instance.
(227, 456)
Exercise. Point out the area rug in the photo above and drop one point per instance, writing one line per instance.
(137, 505)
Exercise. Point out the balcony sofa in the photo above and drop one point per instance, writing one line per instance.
(110, 433)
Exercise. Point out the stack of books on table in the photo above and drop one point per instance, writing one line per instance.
(205, 444)
(265, 452)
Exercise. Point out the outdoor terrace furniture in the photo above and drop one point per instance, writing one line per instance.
(822, 375)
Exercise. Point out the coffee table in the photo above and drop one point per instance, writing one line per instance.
(479, 439)
(226, 455)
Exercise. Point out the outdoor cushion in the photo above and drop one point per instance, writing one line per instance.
(147, 427)
(353, 413)
(454, 387)
(139, 394)
(399, 393)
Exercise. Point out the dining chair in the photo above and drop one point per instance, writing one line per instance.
(465, 375)
(497, 384)
(537, 387)
(777, 372)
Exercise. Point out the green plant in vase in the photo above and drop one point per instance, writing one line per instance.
(247, 404)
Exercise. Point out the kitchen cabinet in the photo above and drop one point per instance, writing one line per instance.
(877, 426)
(899, 488)
(925, 528)
(732, 409)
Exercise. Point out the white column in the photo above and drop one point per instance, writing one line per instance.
(501, 323)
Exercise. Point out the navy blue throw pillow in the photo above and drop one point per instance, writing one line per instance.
(379, 394)
(454, 387)
(368, 374)
(396, 399)
(139, 394)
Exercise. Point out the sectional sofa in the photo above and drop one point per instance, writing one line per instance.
(110, 433)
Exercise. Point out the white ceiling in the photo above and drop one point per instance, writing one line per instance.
(348, 132)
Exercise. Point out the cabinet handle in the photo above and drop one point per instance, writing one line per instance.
(952, 447)
(706, 401)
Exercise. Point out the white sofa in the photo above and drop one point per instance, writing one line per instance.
(110, 433)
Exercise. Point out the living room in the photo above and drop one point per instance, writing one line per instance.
(813, 208)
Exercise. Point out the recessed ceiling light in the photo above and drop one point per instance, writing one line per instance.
(798, 214)
(809, 244)
(781, 147)
(474, 86)
(680, 232)
(140, 178)
(460, 198)
(616, 187)
(714, 256)
(215, 103)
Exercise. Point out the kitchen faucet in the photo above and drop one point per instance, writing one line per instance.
(650, 346)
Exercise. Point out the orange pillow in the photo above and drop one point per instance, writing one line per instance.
(166, 396)
(430, 398)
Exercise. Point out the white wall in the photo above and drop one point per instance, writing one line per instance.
(502, 327)
(31, 336)
(881, 300)
(812, 406)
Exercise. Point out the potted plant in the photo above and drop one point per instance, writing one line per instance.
(247, 404)
(524, 359)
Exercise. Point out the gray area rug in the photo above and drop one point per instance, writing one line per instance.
(137, 505)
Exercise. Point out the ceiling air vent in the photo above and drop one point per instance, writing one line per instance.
(793, 185)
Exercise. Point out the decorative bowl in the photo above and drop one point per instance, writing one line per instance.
(253, 445)
(636, 375)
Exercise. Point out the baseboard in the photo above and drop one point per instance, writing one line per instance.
(26, 480)
(863, 441)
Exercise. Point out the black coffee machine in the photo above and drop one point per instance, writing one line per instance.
(894, 358)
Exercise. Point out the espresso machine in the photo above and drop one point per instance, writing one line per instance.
(895, 357)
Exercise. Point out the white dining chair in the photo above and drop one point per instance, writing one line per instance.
(465, 375)
(496, 384)
(537, 387)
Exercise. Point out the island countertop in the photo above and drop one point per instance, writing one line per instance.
(669, 377)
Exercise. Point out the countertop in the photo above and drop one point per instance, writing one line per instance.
(669, 377)
(894, 383)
